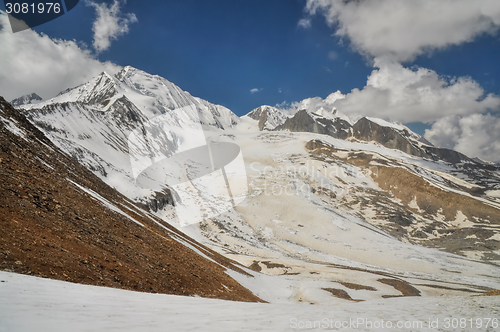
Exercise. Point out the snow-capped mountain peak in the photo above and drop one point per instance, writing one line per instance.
(97, 92)
(268, 117)
(155, 95)
(94, 121)
(151, 94)
(31, 98)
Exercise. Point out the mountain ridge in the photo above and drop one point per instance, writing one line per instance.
(391, 135)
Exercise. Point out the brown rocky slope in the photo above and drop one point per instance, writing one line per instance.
(58, 220)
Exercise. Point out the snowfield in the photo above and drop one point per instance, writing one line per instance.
(36, 304)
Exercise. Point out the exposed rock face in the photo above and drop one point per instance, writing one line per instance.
(158, 201)
(60, 221)
(389, 137)
(404, 140)
(269, 117)
(304, 121)
(392, 136)
(25, 100)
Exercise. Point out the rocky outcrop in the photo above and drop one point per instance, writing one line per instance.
(389, 137)
(158, 201)
(304, 121)
(268, 117)
(26, 99)
(411, 207)
(404, 140)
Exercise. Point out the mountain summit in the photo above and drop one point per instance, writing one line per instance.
(26, 100)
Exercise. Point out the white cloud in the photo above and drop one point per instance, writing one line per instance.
(255, 90)
(476, 135)
(403, 29)
(283, 105)
(109, 24)
(36, 63)
(397, 93)
(305, 23)
(311, 104)
(315, 103)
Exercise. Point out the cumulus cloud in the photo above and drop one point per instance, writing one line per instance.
(476, 135)
(311, 104)
(402, 30)
(255, 90)
(109, 24)
(305, 23)
(316, 103)
(390, 32)
(401, 94)
(31, 62)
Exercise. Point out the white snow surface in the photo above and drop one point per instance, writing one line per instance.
(43, 305)
(13, 127)
(316, 244)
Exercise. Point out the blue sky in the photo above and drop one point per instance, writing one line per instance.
(220, 50)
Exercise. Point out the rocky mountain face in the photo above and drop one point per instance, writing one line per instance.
(26, 99)
(60, 221)
(268, 117)
(399, 137)
(449, 168)
(324, 213)
(304, 121)
(337, 125)
(390, 135)
(421, 203)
